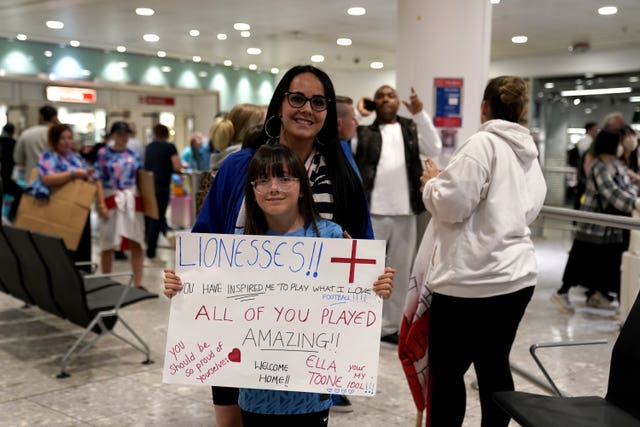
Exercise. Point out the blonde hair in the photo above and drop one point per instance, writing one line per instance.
(235, 126)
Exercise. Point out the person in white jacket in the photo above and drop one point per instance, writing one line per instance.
(482, 267)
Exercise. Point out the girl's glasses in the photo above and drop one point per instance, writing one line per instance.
(297, 100)
(284, 184)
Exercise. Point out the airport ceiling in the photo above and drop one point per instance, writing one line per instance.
(288, 32)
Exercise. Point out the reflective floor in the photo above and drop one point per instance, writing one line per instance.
(110, 387)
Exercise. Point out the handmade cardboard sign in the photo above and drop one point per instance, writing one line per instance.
(271, 312)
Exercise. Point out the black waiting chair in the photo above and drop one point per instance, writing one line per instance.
(10, 274)
(619, 408)
(97, 311)
(35, 276)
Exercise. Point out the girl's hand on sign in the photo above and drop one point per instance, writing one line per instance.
(346, 235)
(384, 285)
(172, 283)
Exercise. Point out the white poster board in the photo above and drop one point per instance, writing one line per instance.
(270, 312)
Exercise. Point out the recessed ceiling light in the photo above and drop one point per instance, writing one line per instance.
(48, 53)
(519, 39)
(151, 38)
(577, 101)
(376, 65)
(634, 79)
(253, 67)
(222, 36)
(123, 64)
(588, 110)
(356, 11)
(145, 11)
(317, 58)
(343, 42)
(55, 25)
(245, 34)
(194, 33)
(121, 49)
(254, 51)
(549, 85)
(196, 58)
(608, 10)
(228, 63)
(203, 74)
(74, 43)
(21, 37)
(165, 69)
(275, 70)
(586, 92)
(162, 53)
(241, 26)
(495, 1)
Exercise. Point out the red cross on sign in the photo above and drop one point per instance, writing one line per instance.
(353, 260)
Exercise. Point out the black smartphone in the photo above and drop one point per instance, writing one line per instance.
(369, 105)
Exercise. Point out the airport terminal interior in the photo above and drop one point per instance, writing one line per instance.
(182, 63)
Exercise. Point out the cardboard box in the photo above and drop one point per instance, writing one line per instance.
(147, 190)
(64, 214)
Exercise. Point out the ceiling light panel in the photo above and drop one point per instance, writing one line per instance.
(55, 25)
(241, 26)
(151, 38)
(604, 91)
(343, 42)
(145, 11)
(356, 11)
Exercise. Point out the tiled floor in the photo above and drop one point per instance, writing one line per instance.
(109, 386)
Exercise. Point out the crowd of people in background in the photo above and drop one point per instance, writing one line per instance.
(606, 160)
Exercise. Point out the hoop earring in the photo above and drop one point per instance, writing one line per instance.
(266, 128)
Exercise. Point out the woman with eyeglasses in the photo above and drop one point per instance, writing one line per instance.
(302, 116)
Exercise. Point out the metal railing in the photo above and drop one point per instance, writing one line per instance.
(570, 215)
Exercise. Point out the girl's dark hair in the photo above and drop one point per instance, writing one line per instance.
(607, 141)
(271, 160)
(349, 204)
(55, 132)
(508, 99)
(626, 130)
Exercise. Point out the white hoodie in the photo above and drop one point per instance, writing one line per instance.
(482, 205)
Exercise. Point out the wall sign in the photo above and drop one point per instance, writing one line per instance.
(448, 99)
(70, 94)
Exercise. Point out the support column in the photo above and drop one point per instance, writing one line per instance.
(450, 39)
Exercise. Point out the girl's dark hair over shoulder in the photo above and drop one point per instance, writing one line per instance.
(271, 161)
(349, 204)
(508, 98)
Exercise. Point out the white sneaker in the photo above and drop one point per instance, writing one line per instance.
(597, 300)
(562, 301)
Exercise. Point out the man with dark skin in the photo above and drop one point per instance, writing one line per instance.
(389, 153)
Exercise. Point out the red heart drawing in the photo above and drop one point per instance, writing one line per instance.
(234, 356)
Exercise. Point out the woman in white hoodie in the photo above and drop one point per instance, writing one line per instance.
(482, 268)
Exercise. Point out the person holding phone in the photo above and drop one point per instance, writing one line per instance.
(389, 154)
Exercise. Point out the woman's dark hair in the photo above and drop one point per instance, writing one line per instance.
(349, 204)
(508, 99)
(607, 141)
(626, 130)
(55, 132)
(271, 160)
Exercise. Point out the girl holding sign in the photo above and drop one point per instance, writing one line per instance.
(302, 116)
(278, 201)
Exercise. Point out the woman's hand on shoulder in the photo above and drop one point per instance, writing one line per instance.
(172, 283)
(384, 285)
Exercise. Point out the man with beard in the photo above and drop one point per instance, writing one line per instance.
(389, 153)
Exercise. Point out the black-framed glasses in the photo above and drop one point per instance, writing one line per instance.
(284, 184)
(297, 100)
